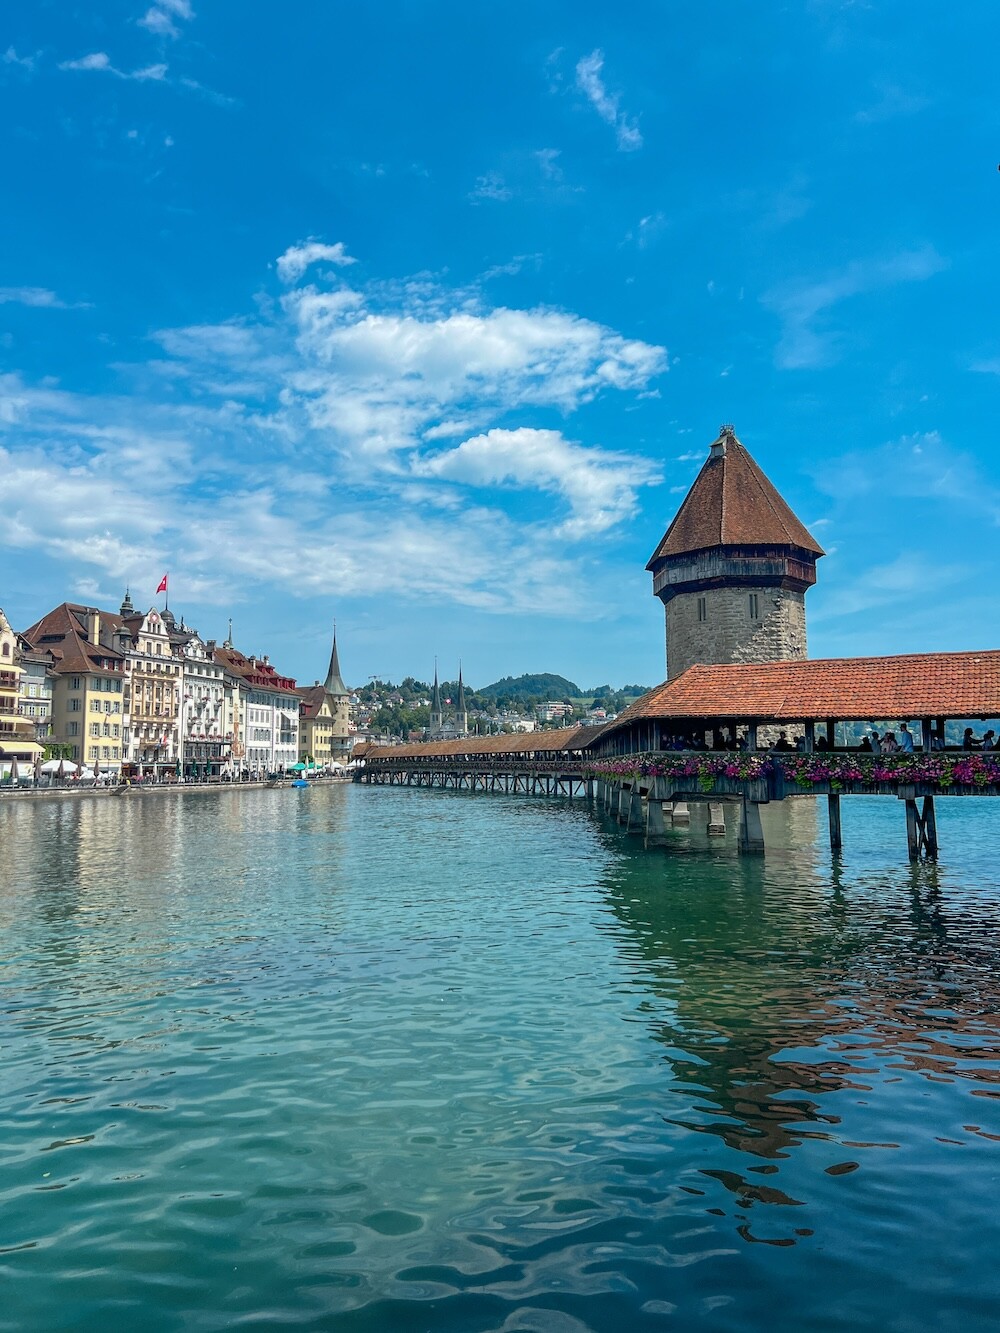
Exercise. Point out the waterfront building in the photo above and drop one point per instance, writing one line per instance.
(206, 722)
(733, 568)
(35, 688)
(17, 735)
(325, 734)
(88, 678)
(266, 718)
(153, 689)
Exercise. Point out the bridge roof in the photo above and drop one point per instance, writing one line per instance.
(953, 685)
(521, 742)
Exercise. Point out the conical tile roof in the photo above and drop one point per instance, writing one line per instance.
(732, 503)
(334, 680)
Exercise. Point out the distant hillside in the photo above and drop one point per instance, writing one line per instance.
(544, 686)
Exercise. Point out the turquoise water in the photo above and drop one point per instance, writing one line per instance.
(371, 1059)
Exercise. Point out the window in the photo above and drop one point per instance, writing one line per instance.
(74, 682)
(702, 609)
(74, 705)
(95, 728)
(754, 607)
(72, 728)
(94, 751)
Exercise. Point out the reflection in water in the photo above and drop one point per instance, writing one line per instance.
(789, 992)
(374, 1059)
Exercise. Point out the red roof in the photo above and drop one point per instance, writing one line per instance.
(732, 503)
(521, 742)
(955, 685)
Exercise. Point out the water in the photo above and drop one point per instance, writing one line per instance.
(366, 1059)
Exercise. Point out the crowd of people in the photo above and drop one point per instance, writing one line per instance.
(900, 741)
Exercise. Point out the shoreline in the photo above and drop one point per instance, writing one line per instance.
(154, 789)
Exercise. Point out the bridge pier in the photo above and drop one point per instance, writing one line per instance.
(716, 820)
(656, 825)
(921, 825)
(833, 807)
(682, 813)
(751, 830)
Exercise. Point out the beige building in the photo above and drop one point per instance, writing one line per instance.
(325, 718)
(88, 683)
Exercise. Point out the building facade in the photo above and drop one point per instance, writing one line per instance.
(325, 733)
(88, 683)
(153, 691)
(206, 728)
(17, 734)
(266, 734)
(733, 568)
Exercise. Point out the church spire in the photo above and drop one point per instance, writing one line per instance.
(334, 680)
(436, 718)
(461, 713)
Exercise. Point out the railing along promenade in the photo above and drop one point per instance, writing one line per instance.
(654, 791)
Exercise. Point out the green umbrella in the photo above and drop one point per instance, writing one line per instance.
(297, 768)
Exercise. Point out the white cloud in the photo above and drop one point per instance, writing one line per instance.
(34, 296)
(599, 486)
(491, 186)
(607, 105)
(100, 62)
(219, 462)
(297, 258)
(159, 18)
(10, 57)
(801, 305)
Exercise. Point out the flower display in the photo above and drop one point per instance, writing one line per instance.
(808, 771)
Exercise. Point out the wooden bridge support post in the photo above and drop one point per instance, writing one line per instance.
(930, 827)
(633, 815)
(833, 805)
(751, 829)
(656, 825)
(912, 831)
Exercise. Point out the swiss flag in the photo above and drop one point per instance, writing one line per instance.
(162, 584)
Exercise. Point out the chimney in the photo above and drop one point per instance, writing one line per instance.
(210, 645)
(93, 625)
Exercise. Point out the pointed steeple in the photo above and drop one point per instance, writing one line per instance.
(461, 691)
(126, 609)
(461, 714)
(334, 680)
(436, 719)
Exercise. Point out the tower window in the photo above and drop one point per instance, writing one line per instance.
(754, 607)
(702, 609)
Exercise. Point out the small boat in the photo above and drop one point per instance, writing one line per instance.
(300, 782)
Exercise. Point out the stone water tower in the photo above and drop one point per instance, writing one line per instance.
(733, 567)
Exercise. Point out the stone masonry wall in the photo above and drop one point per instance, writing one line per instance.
(728, 634)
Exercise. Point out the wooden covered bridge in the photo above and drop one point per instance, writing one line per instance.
(713, 738)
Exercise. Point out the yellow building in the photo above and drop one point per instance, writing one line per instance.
(325, 718)
(16, 733)
(88, 712)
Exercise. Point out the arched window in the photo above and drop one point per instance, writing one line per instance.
(6, 650)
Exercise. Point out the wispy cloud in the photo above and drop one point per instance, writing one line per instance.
(491, 186)
(27, 63)
(297, 258)
(100, 62)
(607, 105)
(161, 17)
(40, 297)
(801, 305)
(892, 101)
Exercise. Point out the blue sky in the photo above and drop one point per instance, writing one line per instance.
(423, 315)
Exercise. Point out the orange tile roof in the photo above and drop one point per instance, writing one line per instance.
(732, 503)
(954, 685)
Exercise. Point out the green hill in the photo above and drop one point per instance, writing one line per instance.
(543, 687)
